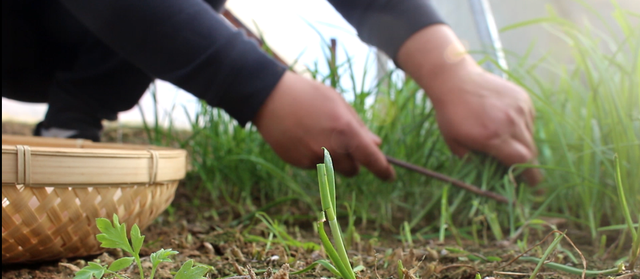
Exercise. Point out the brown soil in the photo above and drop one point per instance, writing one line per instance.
(207, 236)
(199, 235)
(17, 128)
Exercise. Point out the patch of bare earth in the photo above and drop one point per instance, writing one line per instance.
(242, 252)
(238, 252)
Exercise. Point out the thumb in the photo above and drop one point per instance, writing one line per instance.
(366, 153)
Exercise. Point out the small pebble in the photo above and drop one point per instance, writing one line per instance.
(274, 258)
(316, 255)
(71, 267)
(208, 248)
(80, 263)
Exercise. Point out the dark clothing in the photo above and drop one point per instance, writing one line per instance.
(96, 58)
(387, 24)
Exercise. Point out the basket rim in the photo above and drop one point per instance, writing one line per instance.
(37, 161)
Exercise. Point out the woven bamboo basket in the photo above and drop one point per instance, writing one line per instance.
(54, 189)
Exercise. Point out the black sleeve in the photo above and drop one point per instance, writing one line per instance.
(188, 44)
(387, 24)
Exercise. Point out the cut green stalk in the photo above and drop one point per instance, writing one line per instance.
(331, 251)
(325, 195)
(333, 221)
(327, 199)
(331, 178)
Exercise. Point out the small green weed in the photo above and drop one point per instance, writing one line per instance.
(114, 235)
(280, 232)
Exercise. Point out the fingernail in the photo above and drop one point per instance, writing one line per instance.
(393, 175)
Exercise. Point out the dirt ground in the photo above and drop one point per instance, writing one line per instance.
(238, 251)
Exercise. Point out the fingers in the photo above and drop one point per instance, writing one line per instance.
(345, 164)
(366, 153)
(531, 119)
(511, 152)
(532, 176)
(375, 138)
(353, 145)
(523, 134)
(514, 152)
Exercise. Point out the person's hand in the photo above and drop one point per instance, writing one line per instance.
(483, 112)
(475, 110)
(301, 116)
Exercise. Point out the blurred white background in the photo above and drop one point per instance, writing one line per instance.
(294, 29)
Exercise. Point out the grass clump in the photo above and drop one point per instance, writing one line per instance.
(588, 110)
(114, 235)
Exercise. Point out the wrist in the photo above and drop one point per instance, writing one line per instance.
(452, 83)
(436, 59)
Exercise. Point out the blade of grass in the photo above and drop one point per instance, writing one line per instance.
(546, 254)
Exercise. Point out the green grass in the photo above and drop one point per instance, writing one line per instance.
(588, 110)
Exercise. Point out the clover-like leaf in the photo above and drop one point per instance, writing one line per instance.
(188, 271)
(136, 238)
(113, 235)
(121, 264)
(93, 270)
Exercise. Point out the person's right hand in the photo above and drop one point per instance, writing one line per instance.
(301, 116)
(475, 110)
